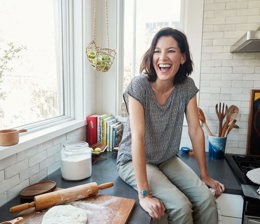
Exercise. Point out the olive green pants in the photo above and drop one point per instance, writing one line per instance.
(186, 198)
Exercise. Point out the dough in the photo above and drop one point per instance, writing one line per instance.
(65, 214)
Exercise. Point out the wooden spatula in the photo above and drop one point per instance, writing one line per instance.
(203, 120)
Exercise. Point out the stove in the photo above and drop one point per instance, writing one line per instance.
(241, 164)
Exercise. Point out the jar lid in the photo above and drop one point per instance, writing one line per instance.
(76, 148)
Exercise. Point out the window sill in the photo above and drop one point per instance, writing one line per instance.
(28, 140)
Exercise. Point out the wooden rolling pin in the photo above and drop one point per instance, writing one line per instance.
(63, 196)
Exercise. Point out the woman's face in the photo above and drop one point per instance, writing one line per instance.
(167, 58)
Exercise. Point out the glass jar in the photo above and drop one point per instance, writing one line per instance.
(76, 161)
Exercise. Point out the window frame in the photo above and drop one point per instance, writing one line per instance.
(74, 81)
(66, 68)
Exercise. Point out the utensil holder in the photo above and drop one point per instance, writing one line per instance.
(217, 146)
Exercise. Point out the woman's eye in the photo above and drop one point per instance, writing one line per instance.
(156, 51)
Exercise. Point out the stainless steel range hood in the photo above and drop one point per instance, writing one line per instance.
(249, 42)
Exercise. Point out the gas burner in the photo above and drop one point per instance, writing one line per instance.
(241, 164)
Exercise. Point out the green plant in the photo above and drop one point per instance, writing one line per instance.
(6, 56)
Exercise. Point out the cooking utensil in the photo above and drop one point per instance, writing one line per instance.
(231, 115)
(37, 189)
(203, 120)
(10, 137)
(229, 128)
(221, 111)
(63, 196)
(14, 221)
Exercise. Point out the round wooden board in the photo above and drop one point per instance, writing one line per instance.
(38, 188)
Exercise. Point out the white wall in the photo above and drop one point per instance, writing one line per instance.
(228, 77)
(106, 82)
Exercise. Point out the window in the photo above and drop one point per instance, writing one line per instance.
(33, 56)
(142, 19)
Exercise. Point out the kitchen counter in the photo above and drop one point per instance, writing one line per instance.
(219, 170)
(104, 170)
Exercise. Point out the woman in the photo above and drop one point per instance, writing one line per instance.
(156, 102)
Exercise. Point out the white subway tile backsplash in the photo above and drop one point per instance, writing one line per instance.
(214, 6)
(253, 19)
(16, 168)
(32, 165)
(38, 176)
(13, 192)
(237, 4)
(7, 162)
(26, 174)
(9, 183)
(242, 84)
(248, 11)
(37, 158)
(1, 175)
(254, 4)
(256, 85)
(231, 75)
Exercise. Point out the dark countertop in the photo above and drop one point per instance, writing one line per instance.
(104, 170)
(219, 170)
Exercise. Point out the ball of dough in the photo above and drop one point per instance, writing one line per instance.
(65, 214)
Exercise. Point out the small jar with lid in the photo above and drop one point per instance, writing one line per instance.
(76, 161)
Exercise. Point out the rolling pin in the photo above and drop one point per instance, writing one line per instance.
(63, 196)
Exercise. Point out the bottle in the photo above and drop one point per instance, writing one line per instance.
(76, 161)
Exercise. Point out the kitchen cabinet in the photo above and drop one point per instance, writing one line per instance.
(231, 208)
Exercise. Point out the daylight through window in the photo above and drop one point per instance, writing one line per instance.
(30, 62)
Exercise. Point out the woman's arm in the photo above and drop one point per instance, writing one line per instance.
(136, 115)
(198, 144)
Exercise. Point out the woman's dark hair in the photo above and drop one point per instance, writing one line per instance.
(184, 70)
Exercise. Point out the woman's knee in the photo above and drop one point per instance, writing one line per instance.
(207, 200)
(181, 212)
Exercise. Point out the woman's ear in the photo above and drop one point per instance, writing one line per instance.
(183, 59)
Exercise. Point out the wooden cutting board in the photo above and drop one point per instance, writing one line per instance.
(105, 209)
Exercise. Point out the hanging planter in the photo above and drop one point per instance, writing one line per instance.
(101, 59)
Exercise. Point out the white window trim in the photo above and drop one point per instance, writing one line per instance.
(74, 117)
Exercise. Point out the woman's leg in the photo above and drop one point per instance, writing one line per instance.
(179, 208)
(183, 177)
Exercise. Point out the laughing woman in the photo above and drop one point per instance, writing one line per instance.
(147, 160)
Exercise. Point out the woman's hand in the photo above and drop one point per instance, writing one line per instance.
(153, 206)
(216, 185)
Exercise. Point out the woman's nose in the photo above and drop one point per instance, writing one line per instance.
(163, 55)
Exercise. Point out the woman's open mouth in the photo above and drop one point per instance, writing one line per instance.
(164, 67)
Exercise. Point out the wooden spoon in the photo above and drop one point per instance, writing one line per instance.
(231, 115)
(203, 121)
(232, 124)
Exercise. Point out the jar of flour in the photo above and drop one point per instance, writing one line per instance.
(76, 161)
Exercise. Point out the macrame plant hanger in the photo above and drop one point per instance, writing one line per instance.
(101, 59)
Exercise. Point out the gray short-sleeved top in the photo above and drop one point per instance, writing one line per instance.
(163, 124)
